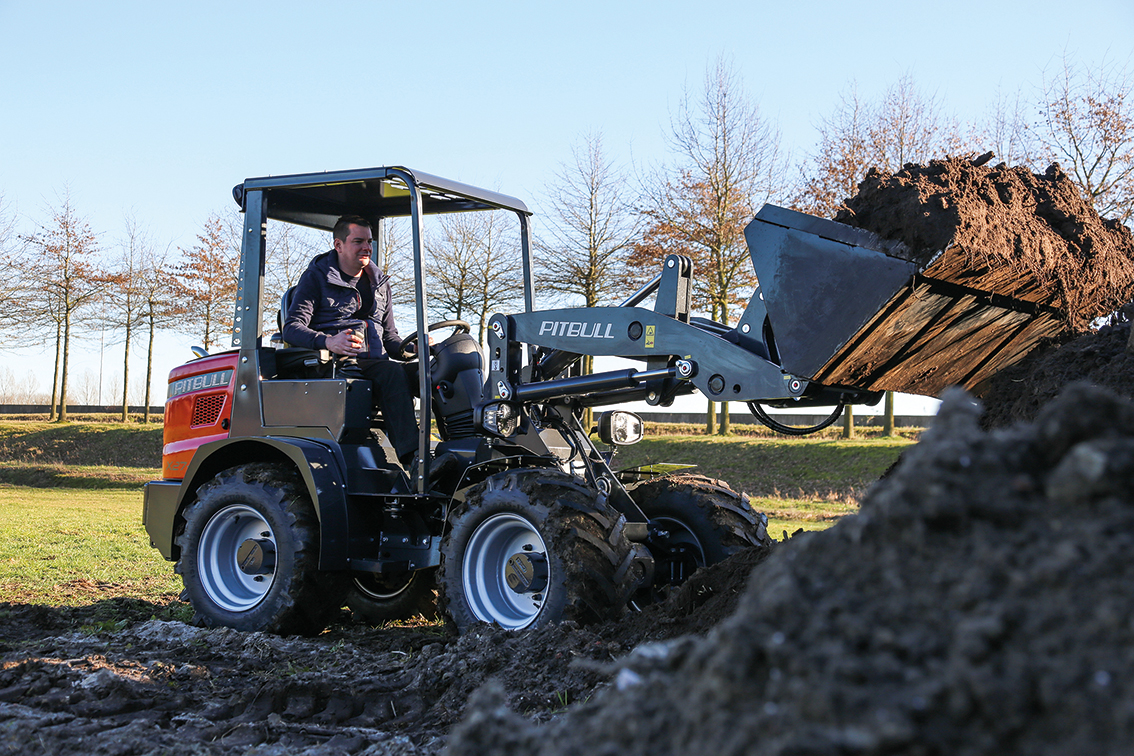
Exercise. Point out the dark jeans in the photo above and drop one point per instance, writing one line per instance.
(391, 391)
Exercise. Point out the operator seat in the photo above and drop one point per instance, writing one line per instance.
(301, 363)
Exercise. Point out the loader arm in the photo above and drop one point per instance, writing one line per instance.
(680, 352)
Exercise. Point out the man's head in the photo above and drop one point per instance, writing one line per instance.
(354, 243)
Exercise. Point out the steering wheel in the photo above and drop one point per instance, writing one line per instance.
(460, 325)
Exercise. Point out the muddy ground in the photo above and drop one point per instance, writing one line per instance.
(119, 677)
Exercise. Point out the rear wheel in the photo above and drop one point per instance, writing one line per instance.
(381, 598)
(695, 522)
(250, 553)
(532, 547)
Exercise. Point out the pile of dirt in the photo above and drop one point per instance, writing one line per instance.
(978, 604)
(1099, 357)
(1002, 230)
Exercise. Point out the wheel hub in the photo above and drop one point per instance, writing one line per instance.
(676, 549)
(526, 572)
(256, 556)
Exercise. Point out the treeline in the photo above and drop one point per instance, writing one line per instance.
(604, 227)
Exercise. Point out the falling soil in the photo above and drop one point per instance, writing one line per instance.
(976, 267)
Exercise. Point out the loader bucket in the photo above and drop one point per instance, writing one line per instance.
(847, 308)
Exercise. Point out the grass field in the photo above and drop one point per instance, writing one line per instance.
(71, 498)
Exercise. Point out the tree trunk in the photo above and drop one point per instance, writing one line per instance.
(888, 425)
(52, 414)
(588, 413)
(66, 355)
(149, 372)
(126, 375)
(725, 428)
(711, 419)
(848, 422)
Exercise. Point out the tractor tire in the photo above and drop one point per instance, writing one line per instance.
(250, 553)
(379, 598)
(695, 522)
(528, 548)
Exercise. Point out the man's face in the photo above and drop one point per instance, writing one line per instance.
(354, 251)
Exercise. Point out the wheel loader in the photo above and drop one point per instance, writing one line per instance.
(280, 505)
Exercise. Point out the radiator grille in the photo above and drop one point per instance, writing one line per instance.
(207, 409)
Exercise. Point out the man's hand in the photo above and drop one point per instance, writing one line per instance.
(347, 343)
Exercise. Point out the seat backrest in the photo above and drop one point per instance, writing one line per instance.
(285, 305)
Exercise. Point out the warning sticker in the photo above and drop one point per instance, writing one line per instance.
(650, 336)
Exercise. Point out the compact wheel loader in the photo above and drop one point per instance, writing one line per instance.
(278, 502)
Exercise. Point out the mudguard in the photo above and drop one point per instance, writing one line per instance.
(318, 463)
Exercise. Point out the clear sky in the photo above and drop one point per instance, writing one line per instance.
(159, 108)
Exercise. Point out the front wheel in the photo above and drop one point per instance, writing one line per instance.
(250, 554)
(532, 547)
(695, 522)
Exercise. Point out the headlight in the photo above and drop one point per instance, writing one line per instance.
(500, 419)
(620, 428)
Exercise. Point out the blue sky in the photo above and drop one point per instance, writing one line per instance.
(159, 108)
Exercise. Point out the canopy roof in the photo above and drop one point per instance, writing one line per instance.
(319, 199)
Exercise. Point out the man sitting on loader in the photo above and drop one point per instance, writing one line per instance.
(343, 304)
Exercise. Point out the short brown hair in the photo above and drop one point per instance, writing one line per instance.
(343, 224)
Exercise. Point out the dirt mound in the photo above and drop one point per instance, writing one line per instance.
(1002, 230)
(1100, 358)
(978, 604)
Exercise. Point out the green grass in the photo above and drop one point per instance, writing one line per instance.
(66, 546)
(806, 482)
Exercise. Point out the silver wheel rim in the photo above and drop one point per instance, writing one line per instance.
(226, 584)
(491, 599)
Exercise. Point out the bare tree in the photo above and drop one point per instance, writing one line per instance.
(1007, 131)
(904, 126)
(290, 250)
(473, 271)
(162, 305)
(125, 296)
(208, 279)
(1087, 122)
(11, 265)
(728, 162)
(591, 227)
(66, 252)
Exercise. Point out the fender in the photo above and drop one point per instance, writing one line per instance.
(318, 463)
